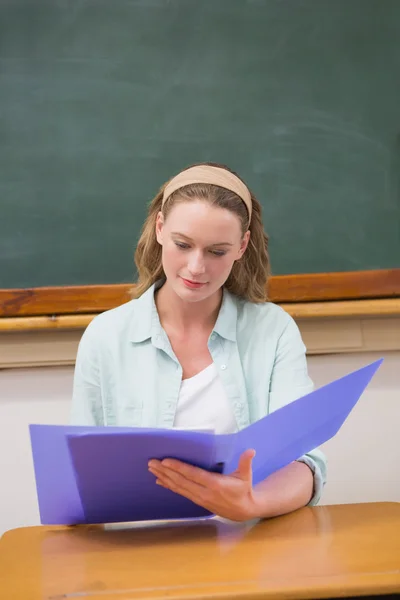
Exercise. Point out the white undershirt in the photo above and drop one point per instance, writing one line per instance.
(203, 403)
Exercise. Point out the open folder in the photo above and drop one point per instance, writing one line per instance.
(100, 474)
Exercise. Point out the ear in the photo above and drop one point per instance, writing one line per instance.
(159, 228)
(243, 245)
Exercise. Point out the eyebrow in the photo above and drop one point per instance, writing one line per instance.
(190, 239)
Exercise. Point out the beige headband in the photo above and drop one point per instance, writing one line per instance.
(213, 175)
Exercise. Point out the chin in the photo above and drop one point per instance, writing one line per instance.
(193, 295)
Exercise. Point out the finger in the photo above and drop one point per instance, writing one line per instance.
(244, 470)
(163, 472)
(179, 483)
(158, 466)
(159, 470)
(195, 474)
(156, 470)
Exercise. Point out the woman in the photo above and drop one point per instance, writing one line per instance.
(200, 346)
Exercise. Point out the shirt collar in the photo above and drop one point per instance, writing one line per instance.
(146, 321)
(226, 322)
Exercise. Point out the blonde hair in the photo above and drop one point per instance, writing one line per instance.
(249, 275)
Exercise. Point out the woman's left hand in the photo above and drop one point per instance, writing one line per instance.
(229, 496)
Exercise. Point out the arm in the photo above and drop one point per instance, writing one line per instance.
(233, 496)
(282, 492)
(289, 381)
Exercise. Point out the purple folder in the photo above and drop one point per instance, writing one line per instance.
(100, 474)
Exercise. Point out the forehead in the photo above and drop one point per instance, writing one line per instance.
(202, 218)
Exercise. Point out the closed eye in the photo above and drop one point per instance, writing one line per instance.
(181, 245)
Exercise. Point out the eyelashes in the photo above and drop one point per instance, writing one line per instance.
(183, 246)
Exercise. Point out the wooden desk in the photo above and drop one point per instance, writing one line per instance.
(313, 553)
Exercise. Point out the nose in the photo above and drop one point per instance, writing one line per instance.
(196, 265)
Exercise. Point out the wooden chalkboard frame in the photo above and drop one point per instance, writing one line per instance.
(303, 288)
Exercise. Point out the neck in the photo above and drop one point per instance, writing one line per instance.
(182, 317)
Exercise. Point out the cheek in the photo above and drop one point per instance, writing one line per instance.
(171, 256)
(221, 266)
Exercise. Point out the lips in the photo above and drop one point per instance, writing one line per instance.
(192, 284)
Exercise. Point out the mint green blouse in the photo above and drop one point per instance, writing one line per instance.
(127, 374)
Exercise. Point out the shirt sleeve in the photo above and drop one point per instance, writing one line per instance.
(87, 404)
(289, 381)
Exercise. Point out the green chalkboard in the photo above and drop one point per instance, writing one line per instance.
(101, 101)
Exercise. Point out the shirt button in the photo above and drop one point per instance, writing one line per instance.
(223, 367)
(213, 336)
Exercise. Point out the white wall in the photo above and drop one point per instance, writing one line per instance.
(364, 457)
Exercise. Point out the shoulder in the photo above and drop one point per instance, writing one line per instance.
(114, 317)
(131, 320)
(110, 324)
(265, 317)
(267, 326)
